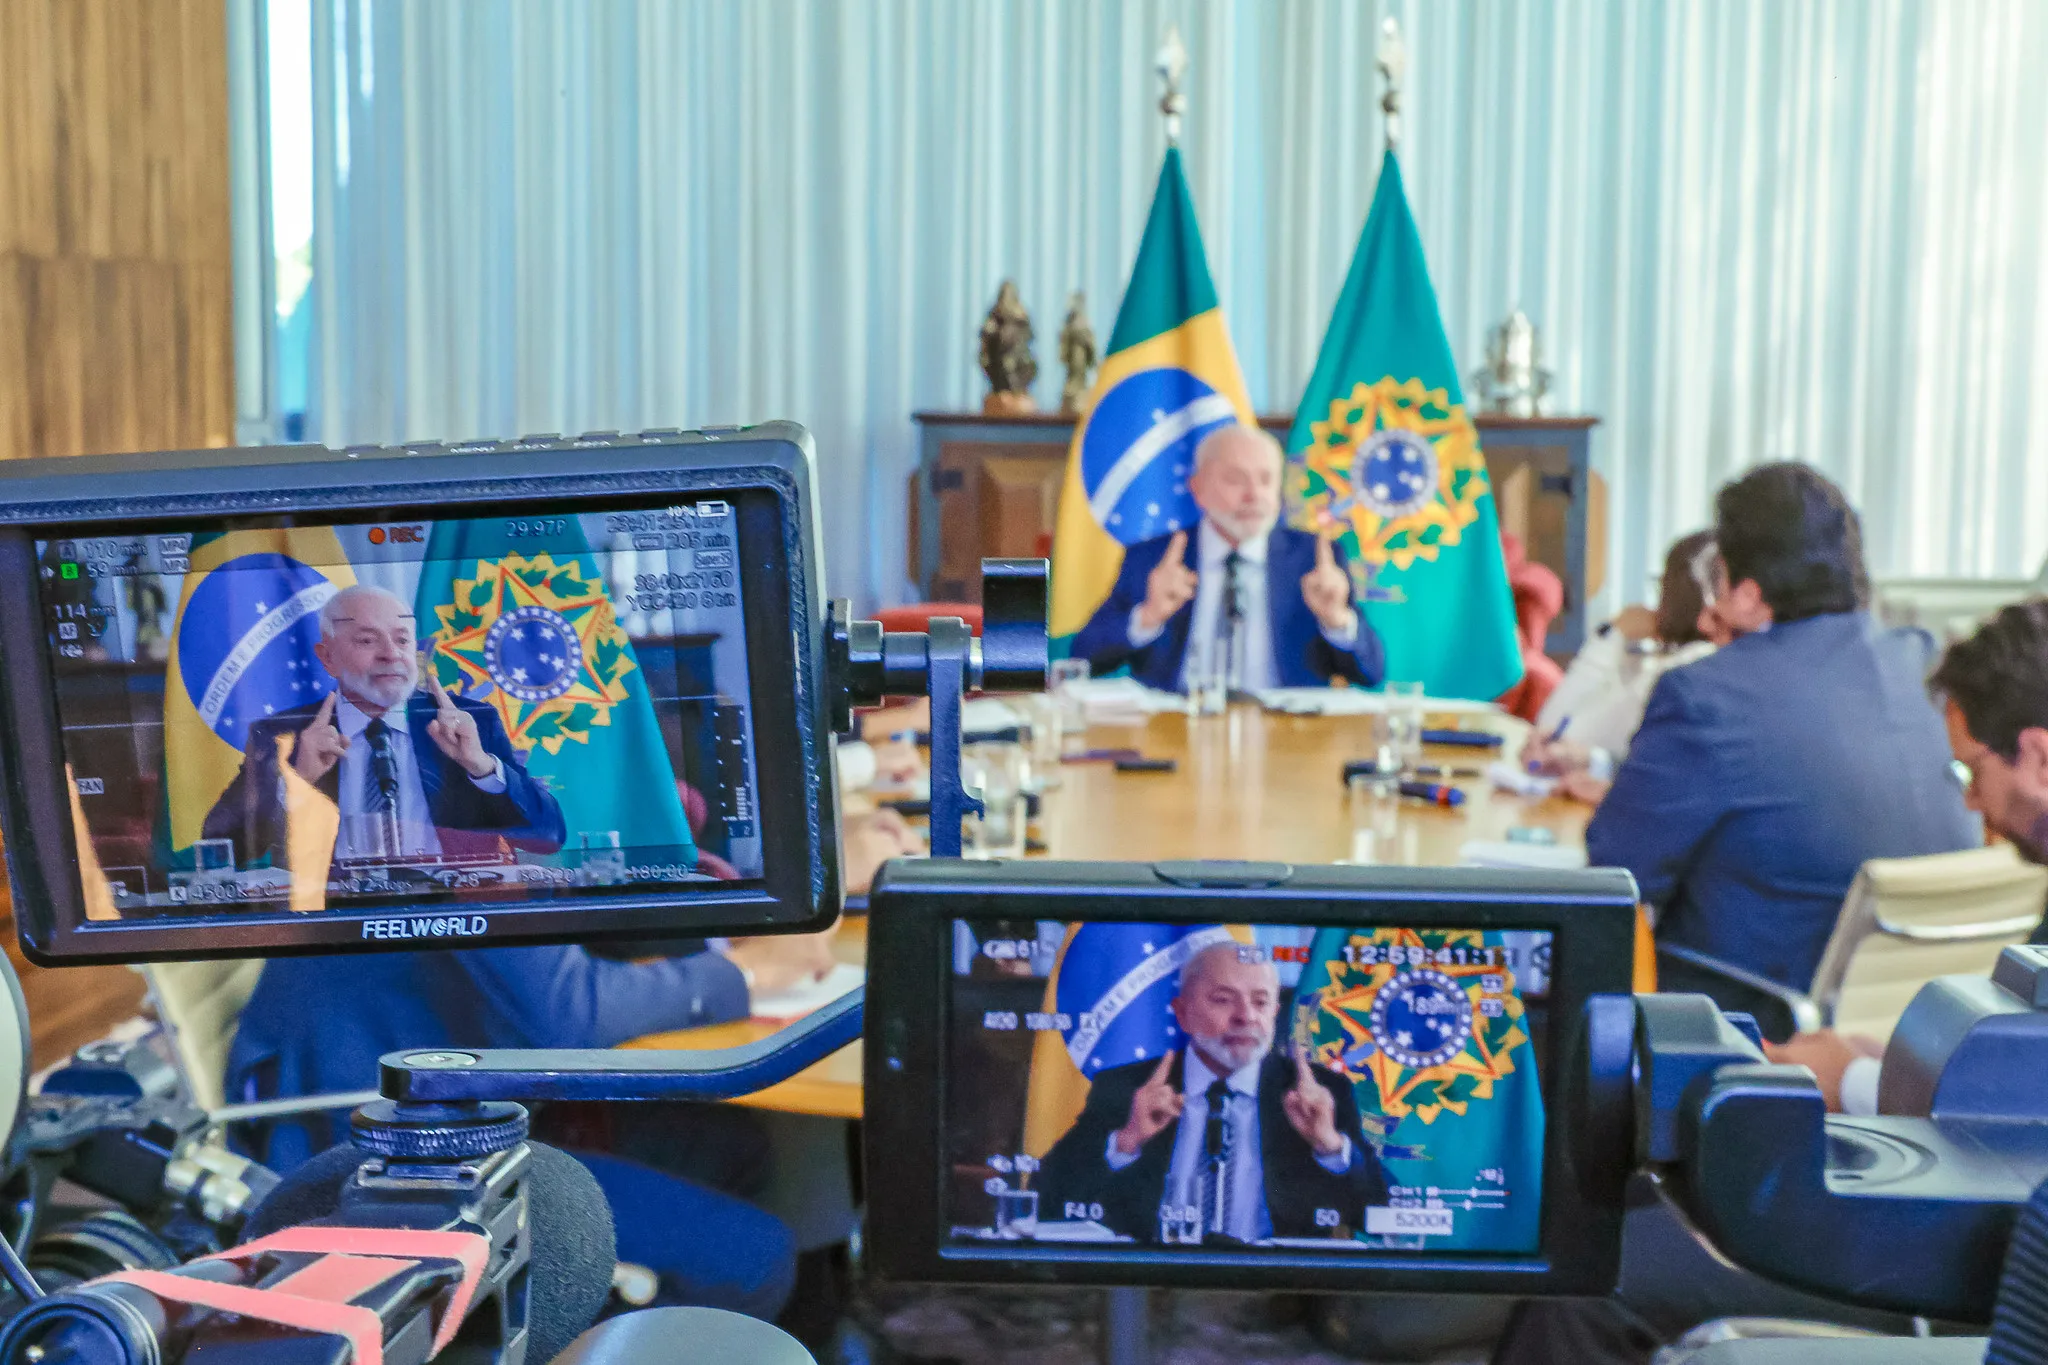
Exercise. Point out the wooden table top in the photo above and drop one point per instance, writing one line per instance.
(1248, 784)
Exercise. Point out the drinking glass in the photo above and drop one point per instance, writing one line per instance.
(1017, 1214)
(1042, 714)
(1404, 722)
(1073, 715)
(1208, 678)
(994, 770)
(604, 858)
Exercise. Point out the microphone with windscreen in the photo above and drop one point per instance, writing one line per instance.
(356, 1257)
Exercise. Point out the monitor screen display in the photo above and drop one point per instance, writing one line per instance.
(1344, 1090)
(306, 716)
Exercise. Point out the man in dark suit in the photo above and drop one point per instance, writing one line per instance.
(1260, 603)
(413, 774)
(1226, 1141)
(1765, 774)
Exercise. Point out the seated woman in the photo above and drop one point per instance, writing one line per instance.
(1585, 727)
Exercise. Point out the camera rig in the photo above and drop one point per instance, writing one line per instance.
(434, 1097)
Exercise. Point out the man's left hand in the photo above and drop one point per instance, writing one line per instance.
(453, 731)
(1312, 1110)
(1327, 590)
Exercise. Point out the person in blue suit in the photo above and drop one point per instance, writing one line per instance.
(1764, 775)
(317, 1025)
(1265, 604)
(414, 774)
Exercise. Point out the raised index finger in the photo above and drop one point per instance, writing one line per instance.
(1159, 1072)
(325, 715)
(1303, 1076)
(440, 693)
(1176, 550)
(1326, 555)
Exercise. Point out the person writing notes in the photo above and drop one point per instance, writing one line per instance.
(1265, 604)
(1586, 725)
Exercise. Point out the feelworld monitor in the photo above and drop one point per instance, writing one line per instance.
(1189, 1073)
(556, 689)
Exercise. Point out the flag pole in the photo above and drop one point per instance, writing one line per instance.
(1393, 64)
(1172, 64)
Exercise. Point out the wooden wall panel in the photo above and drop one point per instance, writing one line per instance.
(115, 309)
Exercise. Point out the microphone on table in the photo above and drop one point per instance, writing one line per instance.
(1436, 793)
(386, 1271)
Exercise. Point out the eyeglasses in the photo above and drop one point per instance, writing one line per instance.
(1706, 572)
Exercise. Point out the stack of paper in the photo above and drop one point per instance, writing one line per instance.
(1122, 701)
(1513, 853)
(798, 1001)
(1355, 701)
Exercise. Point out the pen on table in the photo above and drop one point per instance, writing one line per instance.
(1555, 735)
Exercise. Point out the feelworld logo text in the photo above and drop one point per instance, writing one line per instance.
(437, 926)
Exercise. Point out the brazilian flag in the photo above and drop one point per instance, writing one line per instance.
(1430, 1027)
(1384, 457)
(527, 626)
(1170, 378)
(241, 649)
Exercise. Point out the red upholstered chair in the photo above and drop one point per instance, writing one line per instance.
(1539, 597)
(918, 615)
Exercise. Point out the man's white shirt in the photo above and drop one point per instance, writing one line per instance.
(1252, 645)
(1249, 1219)
(363, 833)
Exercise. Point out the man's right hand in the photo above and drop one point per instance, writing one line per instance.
(1170, 587)
(321, 744)
(1155, 1105)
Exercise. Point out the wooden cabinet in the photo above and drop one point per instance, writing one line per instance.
(989, 486)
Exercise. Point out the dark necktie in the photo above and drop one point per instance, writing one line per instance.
(382, 797)
(1233, 615)
(1217, 1140)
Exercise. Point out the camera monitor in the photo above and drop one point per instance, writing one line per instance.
(293, 699)
(1238, 1075)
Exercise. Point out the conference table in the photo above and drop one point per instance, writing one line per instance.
(1248, 783)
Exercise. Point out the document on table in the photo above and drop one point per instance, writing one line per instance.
(1122, 701)
(1356, 701)
(1514, 853)
(798, 1001)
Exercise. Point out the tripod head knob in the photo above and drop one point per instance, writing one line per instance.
(465, 1131)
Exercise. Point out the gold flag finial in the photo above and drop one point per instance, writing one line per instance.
(1172, 64)
(1393, 64)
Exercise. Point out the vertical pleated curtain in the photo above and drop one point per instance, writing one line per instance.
(1746, 228)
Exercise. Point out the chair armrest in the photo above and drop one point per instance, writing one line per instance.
(1780, 1011)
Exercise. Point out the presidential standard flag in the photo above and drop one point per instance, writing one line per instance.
(1384, 456)
(1169, 379)
(533, 633)
(241, 649)
(1430, 1028)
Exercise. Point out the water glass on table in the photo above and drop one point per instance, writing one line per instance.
(1073, 715)
(1404, 722)
(995, 772)
(1041, 714)
(604, 858)
(1208, 681)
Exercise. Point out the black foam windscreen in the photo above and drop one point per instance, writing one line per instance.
(574, 1249)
